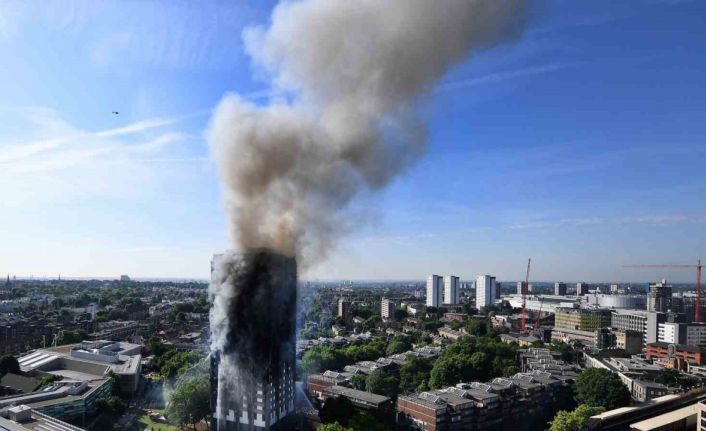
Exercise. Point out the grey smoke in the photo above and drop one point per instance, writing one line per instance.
(354, 72)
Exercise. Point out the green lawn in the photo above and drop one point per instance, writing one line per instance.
(149, 424)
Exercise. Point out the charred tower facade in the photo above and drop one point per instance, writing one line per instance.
(253, 328)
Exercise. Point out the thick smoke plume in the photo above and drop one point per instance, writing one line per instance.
(351, 73)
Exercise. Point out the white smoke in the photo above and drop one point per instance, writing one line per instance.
(353, 71)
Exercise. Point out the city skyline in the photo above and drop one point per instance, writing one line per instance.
(576, 145)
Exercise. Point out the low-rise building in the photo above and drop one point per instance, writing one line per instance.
(24, 418)
(676, 355)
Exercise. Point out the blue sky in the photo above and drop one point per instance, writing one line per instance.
(581, 145)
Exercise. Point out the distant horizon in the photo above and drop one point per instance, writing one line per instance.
(331, 280)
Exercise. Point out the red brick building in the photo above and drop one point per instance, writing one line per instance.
(678, 352)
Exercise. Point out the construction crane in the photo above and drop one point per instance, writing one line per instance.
(538, 325)
(698, 266)
(525, 288)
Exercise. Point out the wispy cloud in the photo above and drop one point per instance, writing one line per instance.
(504, 76)
(77, 146)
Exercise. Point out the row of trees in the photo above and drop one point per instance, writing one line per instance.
(169, 362)
(321, 358)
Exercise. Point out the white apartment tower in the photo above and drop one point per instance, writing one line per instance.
(485, 291)
(434, 291)
(450, 289)
(387, 308)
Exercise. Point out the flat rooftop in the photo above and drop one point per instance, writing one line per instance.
(666, 419)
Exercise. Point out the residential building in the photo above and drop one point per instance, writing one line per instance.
(451, 289)
(252, 378)
(630, 341)
(581, 288)
(344, 307)
(659, 297)
(497, 404)
(522, 288)
(434, 291)
(485, 291)
(387, 308)
(560, 289)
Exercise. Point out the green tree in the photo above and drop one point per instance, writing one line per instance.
(371, 322)
(359, 381)
(336, 410)
(9, 364)
(477, 327)
(190, 402)
(367, 422)
(399, 344)
(322, 358)
(599, 387)
(414, 374)
(381, 383)
(574, 420)
(333, 427)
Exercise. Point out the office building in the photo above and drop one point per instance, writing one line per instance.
(581, 319)
(676, 355)
(25, 418)
(522, 288)
(581, 288)
(434, 291)
(614, 289)
(690, 334)
(685, 303)
(645, 322)
(485, 291)
(344, 307)
(659, 297)
(559, 289)
(387, 309)
(450, 289)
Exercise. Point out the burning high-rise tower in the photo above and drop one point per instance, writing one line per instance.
(348, 76)
(252, 372)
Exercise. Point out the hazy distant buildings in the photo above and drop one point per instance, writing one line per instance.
(560, 289)
(522, 288)
(343, 308)
(614, 288)
(659, 297)
(485, 291)
(581, 288)
(450, 289)
(434, 291)
(387, 308)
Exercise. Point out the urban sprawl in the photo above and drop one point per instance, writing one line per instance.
(436, 355)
